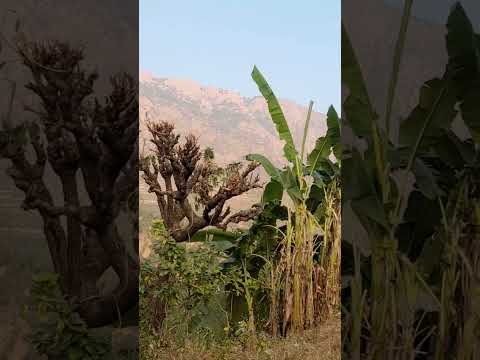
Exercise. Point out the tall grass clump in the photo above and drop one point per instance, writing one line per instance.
(327, 272)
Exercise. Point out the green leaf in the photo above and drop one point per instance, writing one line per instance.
(46, 277)
(426, 180)
(431, 254)
(271, 170)
(370, 207)
(357, 107)
(432, 116)
(462, 45)
(290, 184)
(321, 150)
(276, 113)
(454, 152)
(356, 179)
(359, 188)
(333, 132)
(470, 108)
(214, 235)
(75, 354)
(422, 217)
(222, 245)
(326, 168)
(273, 191)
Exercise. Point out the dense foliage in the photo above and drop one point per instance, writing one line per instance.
(410, 290)
(280, 275)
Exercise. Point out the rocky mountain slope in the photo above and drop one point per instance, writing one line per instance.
(231, 124)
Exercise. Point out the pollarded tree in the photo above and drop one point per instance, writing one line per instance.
(191, 190)
(96, 140)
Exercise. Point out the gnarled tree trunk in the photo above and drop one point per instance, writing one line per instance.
(97, 141)
(180, 178)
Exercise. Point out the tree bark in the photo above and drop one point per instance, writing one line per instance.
(108, 308)
(74, 237)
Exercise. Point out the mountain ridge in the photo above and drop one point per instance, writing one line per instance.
(232, 124)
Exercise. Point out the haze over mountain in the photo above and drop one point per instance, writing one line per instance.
(233, 125)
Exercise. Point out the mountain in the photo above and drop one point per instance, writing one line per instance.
(233, 125)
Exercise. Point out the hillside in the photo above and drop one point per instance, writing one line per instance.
(231, 124)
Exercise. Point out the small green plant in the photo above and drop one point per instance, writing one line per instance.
(60, 333)
(243, 284)
(178, 284)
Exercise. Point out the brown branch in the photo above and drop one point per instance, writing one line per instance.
(87, 215)
(242, 216)
(236, 185)
(191, 175)
(126, 183)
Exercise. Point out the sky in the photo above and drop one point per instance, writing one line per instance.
(295, 44)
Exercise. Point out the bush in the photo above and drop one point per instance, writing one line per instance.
(60, 332)
(178, 286)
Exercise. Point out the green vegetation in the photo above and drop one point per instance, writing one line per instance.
(246, 289)
(411, 290)
(60, 332)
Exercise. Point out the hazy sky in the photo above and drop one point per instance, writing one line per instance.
(296, 45)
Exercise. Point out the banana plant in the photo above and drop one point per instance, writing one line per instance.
(427, 145)
(305, 179)
(397, 187)
(318, 165)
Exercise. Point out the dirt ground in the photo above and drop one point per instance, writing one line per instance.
(321, 343)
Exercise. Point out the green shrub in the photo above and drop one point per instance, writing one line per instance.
(178, 286)
(60, 333)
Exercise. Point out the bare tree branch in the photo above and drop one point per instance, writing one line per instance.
(74, 134)
(242, 216)
(194, 181)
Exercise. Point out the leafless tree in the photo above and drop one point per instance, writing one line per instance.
(89, 143)
(182, 180)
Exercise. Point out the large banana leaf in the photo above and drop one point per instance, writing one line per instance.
(333, 132)
(328, 144)
(214, 235)
(319, 152)
(470, 108)
(270, 169)
(276, 113)
(285, 178)
(290, 184)
(318, 160)
(273, 192)
(463, 47)
(357, 107)
(432, 116)
(358, 188)
(454, 152)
